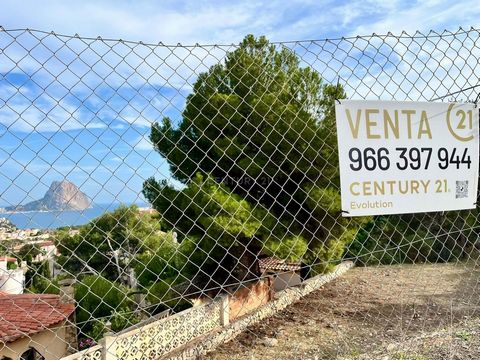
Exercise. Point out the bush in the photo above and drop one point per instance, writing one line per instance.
(98, 297)
(120, 320)
(44, 286)
(151, 266)
(401, 239)
(166, 297)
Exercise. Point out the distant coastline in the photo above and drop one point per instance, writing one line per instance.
(52, 219)
(3, 211)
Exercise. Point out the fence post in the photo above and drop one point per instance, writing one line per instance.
(225, 310)
(109, 347)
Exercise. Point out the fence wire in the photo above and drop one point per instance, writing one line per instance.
(154, 196)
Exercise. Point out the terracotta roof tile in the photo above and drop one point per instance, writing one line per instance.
(26, 314)
(272, 263)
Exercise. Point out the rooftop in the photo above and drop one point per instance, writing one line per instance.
(275, 264)
(26, 314)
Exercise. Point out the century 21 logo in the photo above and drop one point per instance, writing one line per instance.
(462, 123)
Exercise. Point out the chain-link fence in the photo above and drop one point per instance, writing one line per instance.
(159, 198)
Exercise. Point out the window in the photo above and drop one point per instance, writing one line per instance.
(31, 354)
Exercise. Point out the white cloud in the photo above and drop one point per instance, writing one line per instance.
(421, 15)
(146, 71)
(142, 143)
(22, 115)
(170, 22)
(226, 22)
(162, 77)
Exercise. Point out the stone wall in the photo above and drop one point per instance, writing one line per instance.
(67, 296)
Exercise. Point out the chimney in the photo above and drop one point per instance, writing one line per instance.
(67, 292)
(67, 296)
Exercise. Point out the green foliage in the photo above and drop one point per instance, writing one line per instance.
(256, 149)
(415, 238)
(224, 222)
(28, 252)
(119, 320)
(99, 328)
(106, 245)
(123, 319)
(226, 217)
(464, 335)
(193, 254)
(45, 286)
(111, 246)
(162, 262)
(38, 279)
(97, 297)
(162, 292)
(261, 90)
(289, 248)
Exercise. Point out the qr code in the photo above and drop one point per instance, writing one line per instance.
(461, 189)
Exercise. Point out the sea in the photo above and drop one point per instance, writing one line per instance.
(56, 219)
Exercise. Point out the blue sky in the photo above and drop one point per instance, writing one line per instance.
(86, 118)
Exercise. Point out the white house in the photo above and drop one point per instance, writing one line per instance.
(12, 281)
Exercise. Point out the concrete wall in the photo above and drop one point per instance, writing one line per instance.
(193, 332)
(162, 336)
(282, 299)
(50, 343)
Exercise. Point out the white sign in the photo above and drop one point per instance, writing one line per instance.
(407, 157)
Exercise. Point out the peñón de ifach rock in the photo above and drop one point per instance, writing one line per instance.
(62, 195)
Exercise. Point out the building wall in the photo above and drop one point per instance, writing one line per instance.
(285, 280)
(50, 343)
(12, 281)
(250, 298)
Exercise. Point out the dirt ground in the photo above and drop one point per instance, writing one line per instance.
(402, 312)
